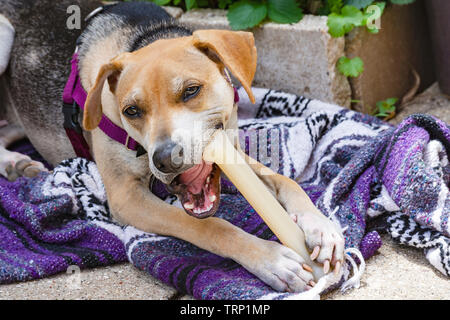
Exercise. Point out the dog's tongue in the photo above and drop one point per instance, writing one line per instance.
(194, 178)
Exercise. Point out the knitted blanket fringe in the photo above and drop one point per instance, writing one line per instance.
(356, 169)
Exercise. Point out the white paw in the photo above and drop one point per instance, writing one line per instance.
(14, 165)
(323, 238)
(280, 267)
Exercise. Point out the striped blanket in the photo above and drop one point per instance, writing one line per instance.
(357, 169)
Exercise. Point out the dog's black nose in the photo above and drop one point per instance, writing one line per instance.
(168, 157)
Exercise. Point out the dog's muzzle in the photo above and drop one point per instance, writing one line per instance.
(168, 157)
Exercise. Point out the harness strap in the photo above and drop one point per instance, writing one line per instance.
(71, 111)
(74, 97)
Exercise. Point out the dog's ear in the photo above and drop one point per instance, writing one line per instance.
(93, 106)
(234, 49)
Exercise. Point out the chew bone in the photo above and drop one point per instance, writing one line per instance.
(221, 151)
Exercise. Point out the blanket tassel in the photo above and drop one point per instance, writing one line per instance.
(355, 280)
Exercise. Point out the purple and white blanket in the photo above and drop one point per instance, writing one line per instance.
(355, 168)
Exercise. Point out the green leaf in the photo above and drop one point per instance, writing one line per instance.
(334, 6)
(224, 3)
(176, 2)
(202, 3)
(161, 2)
(284, 11)
(190, 4)
(402, 1)
(340, 24)
(385, 108)
(350, 67)
(391, 101)
(323, 11)
(246, 14)
(359, 4)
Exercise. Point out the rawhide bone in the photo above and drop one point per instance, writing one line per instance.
(222, 152)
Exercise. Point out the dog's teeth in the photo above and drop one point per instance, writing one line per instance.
(207, 179)
(189, 205)
(212, 198)
(199, 210)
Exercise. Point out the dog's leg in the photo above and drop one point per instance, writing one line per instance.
(323, 237)
(14, 164)
(132, 203)
(6, 42)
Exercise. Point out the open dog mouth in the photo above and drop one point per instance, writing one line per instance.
(198, 189)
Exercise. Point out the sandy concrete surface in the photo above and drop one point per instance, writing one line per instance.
(122, 281)
(395, 272)
(398, 272)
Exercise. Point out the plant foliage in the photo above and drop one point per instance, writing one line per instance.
(350, 67)
(385, 108)
(246, 14)
(343, 15)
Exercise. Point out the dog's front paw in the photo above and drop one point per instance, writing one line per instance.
(323, 238)
(279, 267)
(14, 165)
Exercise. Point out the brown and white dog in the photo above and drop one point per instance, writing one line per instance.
(169, 89)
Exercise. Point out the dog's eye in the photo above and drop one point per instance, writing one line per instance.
(132, 112)
(190, 92)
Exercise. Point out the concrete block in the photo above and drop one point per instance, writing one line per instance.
(298, 58)
(173, 11)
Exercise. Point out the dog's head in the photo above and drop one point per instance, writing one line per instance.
(170, 97)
